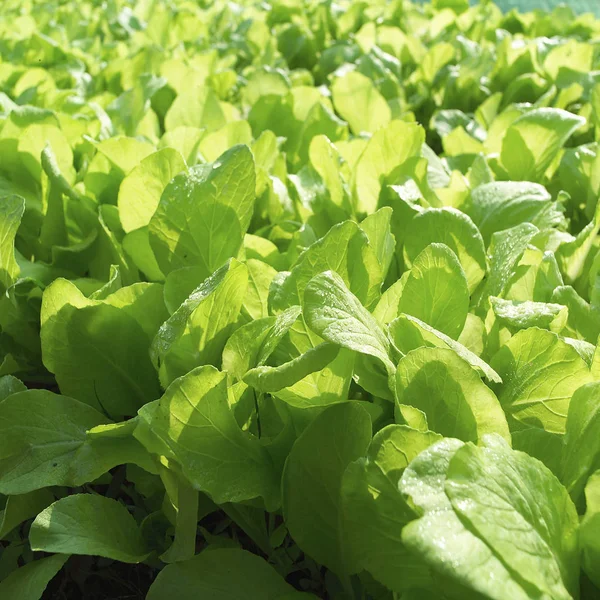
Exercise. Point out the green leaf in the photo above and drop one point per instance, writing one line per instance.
(541, 444)
(436, 290)
(91, 525)
(260, 277)
(10, 385)
(197, 331)
(11, 212)
(41, 435)
(272, 379)
(140, 191)
(381, 156)
(223, 574)
(330, 385)
(244, 344)
(505, 251)
(582, 318)
(252, 344)
(30, 581)
(340, 250)
(523, 315)
(357, 100)
(409, 333)
(590, 528)
(195, 107)
(494, 520)
(136, 245)
(203, 215)
(543, 132)
(184, 500)
(312, 481)
(581, 448)
(193, 419)
(98, 352)
(381, 241)
(374, 510)
(46, 440)
(450, 394)
(540, 373)
(214, 144)
(332, 311)
(454, 229)
(23, 507)
(504, 204)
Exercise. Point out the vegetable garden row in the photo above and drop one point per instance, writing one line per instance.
(299, 300)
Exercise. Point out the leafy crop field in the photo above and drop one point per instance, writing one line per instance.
(299, 300)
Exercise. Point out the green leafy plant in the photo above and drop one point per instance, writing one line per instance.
(299, 300)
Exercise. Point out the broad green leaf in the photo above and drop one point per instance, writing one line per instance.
(326, 160)
(583, 319)
(312, 481)
(504, 204)
(242, 349)
(30, 581)
(383, 153)
(11, 212)
(124, 153)
(99, 354)
(541, 444)
(10, 385)
(494, 520)
(543, 131)
(332, 311)
(377, 226)
(203, 215)
(143, 302)
(265, 81)
(136, 245)
(590, 528)
(375, 512)
(41, 435)
(88, 524)
(252, 344)
(185, 140)
(46, 440)
(454, 229)
(197, 331)
(195, 107)
(180, 284)
(505, 251)
(223, 461)
(140, 191)
(540, 373)
(572, 54)
(214, 144)
(31, 143)
(572, 255)
(436, 290)
(450, 394)
(409, 333)
(581, 449)
(23, 507)
(223, 574)
(260, 277)
(535, 277)
(358, 101)
(523, 315)
(340, 250)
